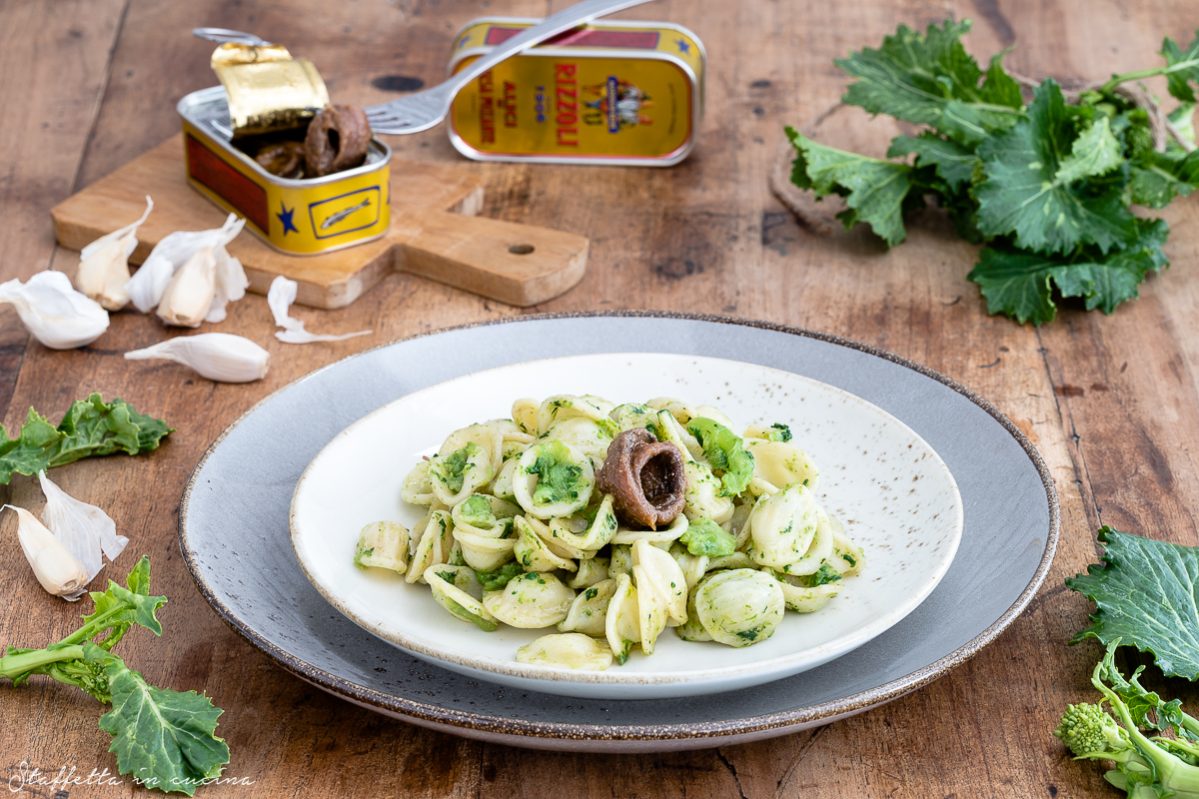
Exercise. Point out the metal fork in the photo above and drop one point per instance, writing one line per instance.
(422, 110)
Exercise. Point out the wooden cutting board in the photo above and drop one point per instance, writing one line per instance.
(434, 234)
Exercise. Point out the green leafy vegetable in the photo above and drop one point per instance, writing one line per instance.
(706, 537)
(496, 579)
(165, 739)
(557, 477)
(726, 453)
(779, 432)
(1145, 596)
(453, 467)
(91, 427)
(1145, 767)
(1047, 187)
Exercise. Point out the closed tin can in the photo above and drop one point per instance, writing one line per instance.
(297, 217)
(627, 93)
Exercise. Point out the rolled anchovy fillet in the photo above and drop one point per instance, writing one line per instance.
(285, 159)
(645, 478)
(337, 139)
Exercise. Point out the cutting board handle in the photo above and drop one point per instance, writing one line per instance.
(518, 264)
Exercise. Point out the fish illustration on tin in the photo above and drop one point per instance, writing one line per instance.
(343, 213)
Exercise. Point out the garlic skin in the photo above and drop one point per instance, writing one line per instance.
(189, 295)
(221, 357)
(55, 313)
(58, 571)
(148, 285)
(84, 530)
(280, 297)
(103, 271)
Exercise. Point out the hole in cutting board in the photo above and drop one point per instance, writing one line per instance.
(521, 249)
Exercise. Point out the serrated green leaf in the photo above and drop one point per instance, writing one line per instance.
(1021, 284)
(874, 190)
(91, 427)
(118, 608)
(1095, 152)
(1157, 178)
(1146, 595)
(1023, 195)
(930, 79)
(952, 162)
(1183, 120)
(164, 739)
(1183, 67)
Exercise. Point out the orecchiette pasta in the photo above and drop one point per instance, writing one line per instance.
(517, 532)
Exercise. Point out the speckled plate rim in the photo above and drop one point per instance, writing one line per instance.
(818, 655)
(529, 733)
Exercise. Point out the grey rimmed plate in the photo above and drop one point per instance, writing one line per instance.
(234, 533)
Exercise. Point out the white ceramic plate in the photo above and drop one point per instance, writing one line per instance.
(895, 495)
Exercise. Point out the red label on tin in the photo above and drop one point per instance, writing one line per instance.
(583, 37)
(238, 190)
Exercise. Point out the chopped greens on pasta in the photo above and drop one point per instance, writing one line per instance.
(612, 523)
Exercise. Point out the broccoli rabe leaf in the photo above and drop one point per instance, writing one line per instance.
(1021, 284)
(929, 78)
(726, 453)
(1031, 190)
(706, 537)
(1157, 178)
(557, 478)
(1183, 68)
(1145, 597)
(91, 427)
(874, 190)
(165, 739)
(952, 162)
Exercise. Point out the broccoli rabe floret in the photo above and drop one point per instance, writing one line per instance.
(1146, 768)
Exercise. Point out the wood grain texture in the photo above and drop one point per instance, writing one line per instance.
(432, 234)
(1112, 402)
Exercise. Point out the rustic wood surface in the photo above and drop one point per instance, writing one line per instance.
(1112, 402)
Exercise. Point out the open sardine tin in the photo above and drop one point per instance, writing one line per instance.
(297, 217)
(623, 93)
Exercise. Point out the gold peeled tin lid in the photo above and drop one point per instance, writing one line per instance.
(268, 90)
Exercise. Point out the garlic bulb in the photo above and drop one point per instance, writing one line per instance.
(104, 265)
(217, 356)
(279, 297)
(85, 530)
(149, 283)
(189, 294)
(55, 313)
(59, 572)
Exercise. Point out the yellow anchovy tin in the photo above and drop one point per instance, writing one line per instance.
(627, 93)
(297, 217)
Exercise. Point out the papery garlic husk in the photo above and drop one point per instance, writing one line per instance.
(149, 283)
(103, 272)
(190, 293)
(279, 298)
(54, 312)
(221, 357)
(86, 531)
(58, 571)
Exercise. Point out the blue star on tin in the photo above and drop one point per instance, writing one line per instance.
(284, 216)
(683, 46)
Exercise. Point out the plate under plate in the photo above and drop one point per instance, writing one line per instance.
(234, 536)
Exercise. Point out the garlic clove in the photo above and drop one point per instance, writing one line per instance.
(58, 571)
(280, 297)
(221, 357)
(149, 283)
(231, 284)
(86, 531)
(190, 293)
(55, 313)
(103, 272)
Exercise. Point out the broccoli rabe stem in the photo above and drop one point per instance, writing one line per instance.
(1141, 74)
(16, 666)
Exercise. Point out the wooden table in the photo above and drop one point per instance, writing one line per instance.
(1112, 402)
